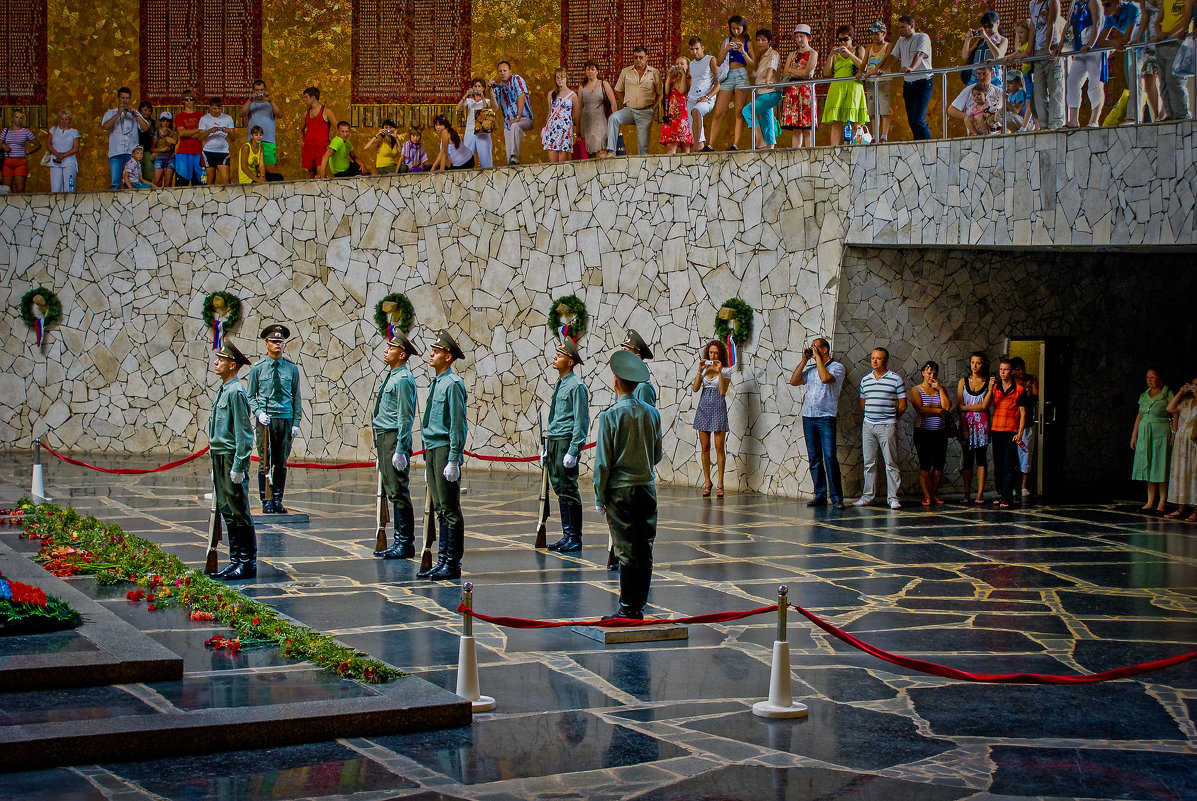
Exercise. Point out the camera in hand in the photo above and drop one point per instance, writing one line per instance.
(808, 353)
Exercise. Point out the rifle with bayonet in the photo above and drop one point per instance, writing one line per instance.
(542, 514)
(214, 532)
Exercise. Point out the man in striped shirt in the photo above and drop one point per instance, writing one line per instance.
(883, 401)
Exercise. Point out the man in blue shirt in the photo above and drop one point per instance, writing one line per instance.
(1121, 27)
(394, 414)
(511, 93)
(823, 378)
(569, 421)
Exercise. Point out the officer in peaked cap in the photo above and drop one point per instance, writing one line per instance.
(274, 399)
(633, 342)
(629, 446)
(569, 422)
(231, 442)
(394, 414)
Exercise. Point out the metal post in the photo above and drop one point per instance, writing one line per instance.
(37, 487)
(467, 658)
(876, 109)
(783, 603)
(752, 130)
(781, 703)
(943, 106)
(467, 600)
(1133, 80)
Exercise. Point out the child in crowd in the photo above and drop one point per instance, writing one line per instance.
(1017, 103)
(676, 130)
(131, 177)
(415, 158)
(163, 150)
(980, 119)
(251, 157)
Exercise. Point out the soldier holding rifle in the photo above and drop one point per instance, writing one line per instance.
(231, 441)
(444, 431)
(569, 421)
(394, 413)
(275, 401)
(629, 446)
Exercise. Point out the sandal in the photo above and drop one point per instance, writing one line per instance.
(1191, 518)
(940, 501)
(1174, 515)
(926, 502)
(706, 491)
(719, 492)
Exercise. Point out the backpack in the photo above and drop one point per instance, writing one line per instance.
(485, 120)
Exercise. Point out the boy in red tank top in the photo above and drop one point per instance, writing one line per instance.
(318, 124)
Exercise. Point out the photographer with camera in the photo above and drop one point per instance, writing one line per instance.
(260, 110)
(390, 149)
(486, 118)
(675, 121)
(122, 124)
(510, 93)
(823, 378)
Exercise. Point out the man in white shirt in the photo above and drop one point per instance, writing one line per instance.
(912, 51)
(883, 401)
(823, 378)
(704, 86)
(215, 127)
(964, 107)
(122, 124)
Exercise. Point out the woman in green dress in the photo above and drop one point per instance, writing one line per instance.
(1150, 439)
(845, 101)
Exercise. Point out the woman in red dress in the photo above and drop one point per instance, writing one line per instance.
(676, 129)
(798, 111)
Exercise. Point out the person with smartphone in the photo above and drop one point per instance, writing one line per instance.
(483, 110)
(713, 377)
(823, 378)
(261, 110)
(122, 124)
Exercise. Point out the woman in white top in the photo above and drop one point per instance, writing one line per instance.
(63, 143)
(457, 151)
(474, 101)
(704, 87)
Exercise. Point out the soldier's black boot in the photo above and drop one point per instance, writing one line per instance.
(267, 503)
(455, 542)
(280, 484)
(247, 568)
(574, 543)
(564, 507)
(232, 530)
(403, 546)
(442, 556)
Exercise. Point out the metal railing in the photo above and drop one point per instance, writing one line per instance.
(1006, 64)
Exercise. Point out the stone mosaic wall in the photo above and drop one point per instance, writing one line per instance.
(657, 244)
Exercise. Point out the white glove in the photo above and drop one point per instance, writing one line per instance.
(727, 372)
(399, 461)
(569, 461)
(294, 432)
(263, 418)
(602, 510)
(452, 472)
(544, 456)
(237, 476)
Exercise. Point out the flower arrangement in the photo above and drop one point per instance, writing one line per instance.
(394, 310)
(40, 307)
(572, 307)
(73, 544)
(734, 319)
(222, 311)
(27, 609)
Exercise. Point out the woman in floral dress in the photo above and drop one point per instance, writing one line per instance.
(557, 136)
(798, 111)
(676, 129)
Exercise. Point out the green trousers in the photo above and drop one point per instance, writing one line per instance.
(232, 500)
(564, 479)
(632, 518)
(446, 495)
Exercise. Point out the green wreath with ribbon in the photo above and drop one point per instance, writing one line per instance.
(52, 310)
(229, 306)
(735, 318)
(570, 305)
(396, 310)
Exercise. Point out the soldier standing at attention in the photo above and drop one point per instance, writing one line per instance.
(444, 432)
(394, 413)
(645, 391)
(569, 421)
(275, 402)
(629, 446)
(231, 441)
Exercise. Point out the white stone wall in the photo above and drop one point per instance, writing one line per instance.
(655, 243)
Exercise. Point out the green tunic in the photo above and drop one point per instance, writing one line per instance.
(646, 393)
(445, 415)
(629, 446)
(1151, 443)
(569, 413)
(395, 407)
(230, 432)
(274, 389)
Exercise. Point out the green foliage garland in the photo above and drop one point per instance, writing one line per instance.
(114, 557)
(407, 315)
(741, 316)
(231, 301)
(577, 328)
(53, 307)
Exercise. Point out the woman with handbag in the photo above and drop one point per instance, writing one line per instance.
(932, 406)
(598, 99)
(62, 145)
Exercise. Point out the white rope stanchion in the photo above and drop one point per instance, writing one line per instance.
(781, 703)
(38, 489)
(467, 659)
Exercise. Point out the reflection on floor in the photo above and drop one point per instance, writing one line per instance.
(1043, 589)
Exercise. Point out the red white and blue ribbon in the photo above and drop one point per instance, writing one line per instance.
(39, 330)
(217, 332)
(732, 358)
(564, 332)
(390, 332)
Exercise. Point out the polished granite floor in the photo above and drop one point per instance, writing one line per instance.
(1049, 589)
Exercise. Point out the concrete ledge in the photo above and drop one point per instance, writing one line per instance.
(123, 654)
(408, 704)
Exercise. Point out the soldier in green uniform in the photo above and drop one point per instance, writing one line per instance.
(645, 391)
(569, 421)
(231, 442)
(275, 402)
(394, 413)
(629, 446)
(444, 432)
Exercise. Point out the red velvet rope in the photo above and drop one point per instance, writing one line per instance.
(524, 623)
(300, 465)
(127, 471)
(904, 661)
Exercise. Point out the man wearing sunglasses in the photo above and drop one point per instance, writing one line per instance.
(191, 143)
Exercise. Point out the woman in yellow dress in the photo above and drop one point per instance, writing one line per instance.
(845, 101)
(249, 159)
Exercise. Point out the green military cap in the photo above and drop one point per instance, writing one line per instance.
(446, 342)
(229, 351)
(636, 342)
(570, 349)
(403, 343)
(276, 332)
(629, 366)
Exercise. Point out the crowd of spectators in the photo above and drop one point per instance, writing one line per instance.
(1034, 82)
